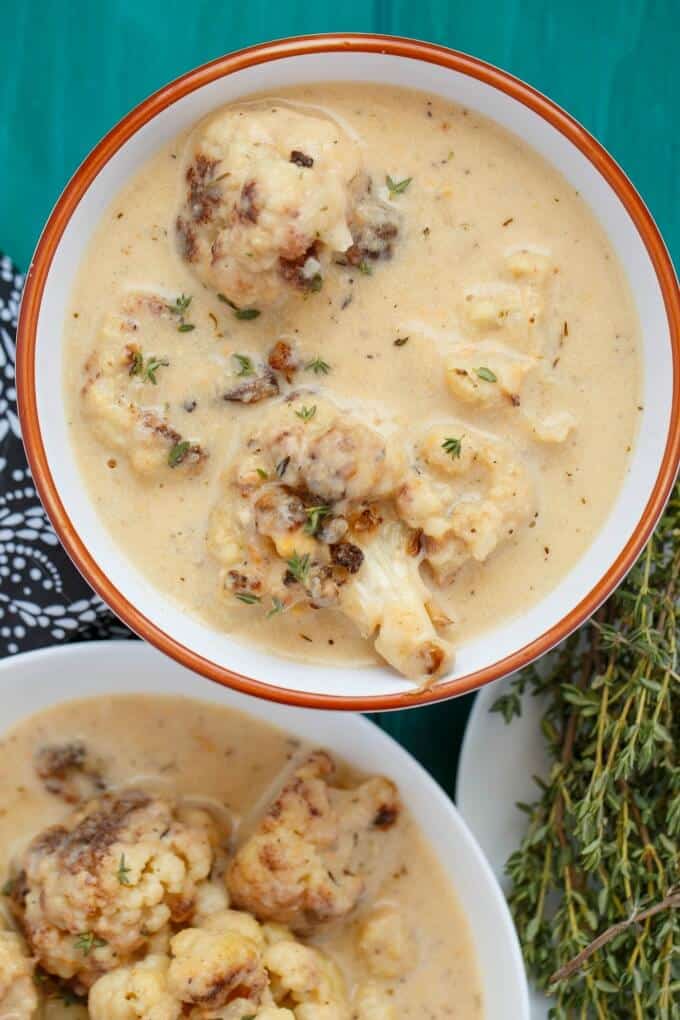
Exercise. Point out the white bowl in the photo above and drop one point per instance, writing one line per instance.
(31, 682)
(454, 76)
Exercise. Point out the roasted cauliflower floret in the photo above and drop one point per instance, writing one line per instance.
(122, 395)
(508, 334)
(390, 603)
(225, 969)
(486, 373)
(266, 201)
(374, 224)
(385, 943)
(312, 523)
(211, 967)
(467, 492)
(310, 981)
(299, 482)
(138, 991)
(511, 312)
(18, 999)
(118, 870)
(332, 455)
(310, 858)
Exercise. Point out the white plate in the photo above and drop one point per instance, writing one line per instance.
(29, 683)
(496, 766)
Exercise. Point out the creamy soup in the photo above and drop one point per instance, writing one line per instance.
(401, 944)
(368, 413)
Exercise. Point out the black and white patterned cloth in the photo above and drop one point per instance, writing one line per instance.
(43, 598)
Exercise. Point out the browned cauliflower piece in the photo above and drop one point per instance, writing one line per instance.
(467, 493)
(391, 605)
(209, 968)
(374, 224)
(117, 871)
(385, 942)
(299, 479)
(136, 991)
(18, 999)
(308, 519)
(487, 374)
(123, 393)
(228, 968)
(307, 979)
(309, 859)
(507, 330)
(69, 771)
(266, 201)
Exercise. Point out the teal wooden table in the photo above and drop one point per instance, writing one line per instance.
(72, 68)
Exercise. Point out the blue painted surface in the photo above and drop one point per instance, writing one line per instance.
(71, 69)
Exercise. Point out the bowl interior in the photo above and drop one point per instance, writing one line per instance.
(35, 681)
(646, 461)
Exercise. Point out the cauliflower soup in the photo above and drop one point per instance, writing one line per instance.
(166, 858)
(352, 373)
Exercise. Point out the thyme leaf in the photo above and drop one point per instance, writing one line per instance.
(180, 306)
(277, 607)
(248, 597)
(123, 871)
(240, 313)
(178, 453)
(453, 447)
(486, 374)
(397, 187)
(245, 364)
(315, 515)
(318, 366)
(86, 941)
(298, 567)
(306, 413)
(146, 369)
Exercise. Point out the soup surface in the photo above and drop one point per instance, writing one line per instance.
(456, 345)
(403, 944)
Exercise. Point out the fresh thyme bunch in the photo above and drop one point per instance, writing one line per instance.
(595, 888)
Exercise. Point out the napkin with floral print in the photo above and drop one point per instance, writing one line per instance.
(43, 598)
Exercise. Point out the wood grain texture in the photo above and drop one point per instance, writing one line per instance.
(71, 69)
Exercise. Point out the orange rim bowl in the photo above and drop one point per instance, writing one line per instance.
(49, 241)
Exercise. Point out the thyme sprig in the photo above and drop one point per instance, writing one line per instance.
(146, 369)
(318, 366)
(595, 882)
(179, 308)
(315, 515)
(298, 567)
(453, 445)
(86, 941)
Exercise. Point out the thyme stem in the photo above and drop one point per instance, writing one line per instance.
(669, 902)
